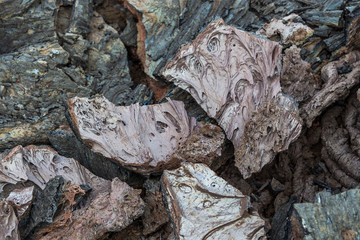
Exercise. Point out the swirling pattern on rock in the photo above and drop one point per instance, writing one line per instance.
(232, 74)
(141, 138)
(204, 206)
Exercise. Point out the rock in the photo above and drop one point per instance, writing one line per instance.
(204, 206)
(277, 186)
(354, 36)
(163, 26)
(68, 145)
(337, 85)
(143, 138)
(155, 215)
(337, 216)
(341, 143)
(290, 29)
(280, 224)
(21, 199)
(331, 18)
(109, 207)
(8, 222)
(244, 93)
(297, 78)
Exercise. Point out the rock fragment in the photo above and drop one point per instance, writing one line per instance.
(21, 199)
(204, 206)
(330, 216)
(290, 29)
(297, 78)
(109, 206)
(220, 70)
(145, 139)
(163, 26)
(8, 222)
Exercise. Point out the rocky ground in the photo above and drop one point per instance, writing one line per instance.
(179, 119)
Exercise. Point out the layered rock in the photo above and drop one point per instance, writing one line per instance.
(234, 76)
(204, 206)
(337, 216)
(163, 26)
(109, 206)
(9, 221)
(147, 138)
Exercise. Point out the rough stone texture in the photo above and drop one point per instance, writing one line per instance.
(354, 36)
(336, 216)
(164, 25)
(8, 222)
(68, 145)
(234, 76)
(155, 215)
(142, 138)
(204, 206)
(297, 78)
(290, 29)
(339, 77)
(340, 139)
(110, 206)
(21, 199)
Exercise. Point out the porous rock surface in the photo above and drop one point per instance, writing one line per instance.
(235, 77)
(144, 138)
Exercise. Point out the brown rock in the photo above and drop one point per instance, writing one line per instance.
(204, 206)
(8, 222)
(297, 78)
(143, 138)
(221, 72)
(111, 206)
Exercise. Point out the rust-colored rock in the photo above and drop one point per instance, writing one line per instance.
(8, 222)
(143, 138)
(204, 206)
(235, 77)
(290, 30)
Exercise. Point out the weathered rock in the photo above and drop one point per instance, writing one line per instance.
(332, 18)
(68, 145)
(155, 215)
(341, 143)
(330, 216)
(290, 30)
(235, 78)
(297, 78)
(110, 206)
(142, 138)
(204, 206)
(354, 35)
(339, 77)
(280, 224)
(8, 222)
(163, 26)
(21, 199)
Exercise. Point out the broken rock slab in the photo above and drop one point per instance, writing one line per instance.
(235, 77)
(21, 199)
(110, 206)
(204, 206)
(147, 138)
(8, 222)
(290, 29)
(329, 217)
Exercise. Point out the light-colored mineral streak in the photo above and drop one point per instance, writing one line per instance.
(235, 77)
